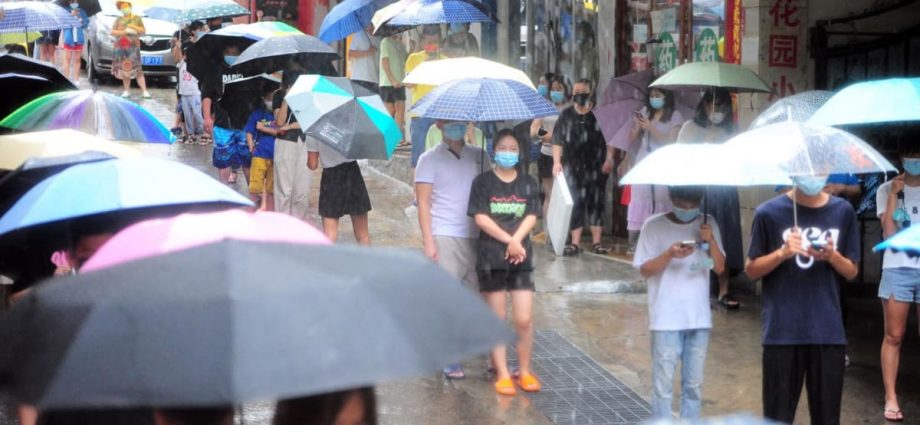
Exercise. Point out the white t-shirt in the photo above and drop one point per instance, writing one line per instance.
(328, 157)
(912, 205)
(451, 179)
(364, 68)
(188, 84)
(678, 298)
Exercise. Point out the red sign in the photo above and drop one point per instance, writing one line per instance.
(784, 51)
(781, 89)
(783, 13)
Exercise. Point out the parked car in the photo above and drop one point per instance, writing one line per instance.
(156, 56)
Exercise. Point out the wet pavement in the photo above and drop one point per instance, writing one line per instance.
(597, 305)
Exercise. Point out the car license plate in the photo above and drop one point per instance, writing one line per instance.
(151, 60)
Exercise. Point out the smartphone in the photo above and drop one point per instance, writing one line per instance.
(819, 244)
(688, 244)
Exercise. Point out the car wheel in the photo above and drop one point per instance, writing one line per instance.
(91, 73)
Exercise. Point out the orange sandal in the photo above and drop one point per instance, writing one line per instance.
(505, 387)
(529, 383)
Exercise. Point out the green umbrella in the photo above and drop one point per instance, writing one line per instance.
(704, 75)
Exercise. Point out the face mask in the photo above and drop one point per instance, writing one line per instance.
(582, 99)
(454, 131)
(230, 59)
(507, 159)
(656, 102)
(717, 117)
(455, 29)
(810, 185)
(126, 11)
(686, 215)
(199, 34)
(268, 105)
(431, 48)
(543, 90)
(912, 166)
(557, 96)
(75, 6)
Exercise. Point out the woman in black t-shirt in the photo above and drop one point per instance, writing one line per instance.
(506, 204)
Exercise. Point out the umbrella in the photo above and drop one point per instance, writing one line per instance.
(99, 113)
(21, 88)
(435, 73)
(907, 240)
(348, 17)
(799, 107)
(483, 99)
(165, 235)
(346, 116)
(205, 54)
(19, 38)
(240, 321)
(878, 101)
(703, 164)
(16, 149)
(272, 54)
(195, 10)
(19, 64)
(33, 170)
(91, 7)
(405, 14)
(26, 16)
(111, 187)
(703, 75)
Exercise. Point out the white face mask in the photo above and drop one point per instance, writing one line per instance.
(717, 117)
(268, 105)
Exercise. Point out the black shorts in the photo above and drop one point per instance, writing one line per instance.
(588, 197)
(49, 37)
(391, 94)
(545, 166)
(368, 85)
(505, 280)
(342, 191)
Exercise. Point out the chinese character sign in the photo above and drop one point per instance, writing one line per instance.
(784, 50)
(666, 55)
(782, 38)
(707, 46)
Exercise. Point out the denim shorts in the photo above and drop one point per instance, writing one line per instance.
(902, 284)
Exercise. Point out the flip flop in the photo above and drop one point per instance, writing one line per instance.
(505, 387)
(897, 415)
(454, 372)
(529, 383)
(729, 302)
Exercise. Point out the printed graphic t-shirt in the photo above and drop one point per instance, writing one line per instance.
(801, 298)
(508, 204)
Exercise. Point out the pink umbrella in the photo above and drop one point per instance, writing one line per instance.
(161, 236)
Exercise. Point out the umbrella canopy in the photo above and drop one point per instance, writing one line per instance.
(165, 235)
(194, 10)
(110, 187)
(702, 164)
(346, 116)
(703, 75)
(19, 64)
(483, 99)
(91, 7)
(19, 89)
(19, 38)
(33, 170)
(25, 16)
(272, 54)
(435, 73)
(16, 149)
(907, 240)
(891, 100)
(798, 107)
(210, 326)
(406, 14)
(349, 17)
(207, 53)
(92, 112)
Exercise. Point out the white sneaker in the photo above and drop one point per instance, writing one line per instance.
(146, 95)
(125, 94)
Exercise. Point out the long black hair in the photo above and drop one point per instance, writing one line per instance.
(723, 99)
(667, 110)
(324, 408)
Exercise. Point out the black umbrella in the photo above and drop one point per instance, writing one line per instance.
(206, 55)
(19, 89)
(238, 321)
(273, 54)
(91, 7)
(20, 64)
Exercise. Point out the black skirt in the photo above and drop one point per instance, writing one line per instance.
(342, 191)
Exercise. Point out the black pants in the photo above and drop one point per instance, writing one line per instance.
(786, 367)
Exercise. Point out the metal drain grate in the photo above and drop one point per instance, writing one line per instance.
(578, 391)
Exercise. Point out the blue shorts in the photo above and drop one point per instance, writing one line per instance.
(230, 149)
(901, 284)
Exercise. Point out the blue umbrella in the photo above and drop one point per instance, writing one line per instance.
(111, 187)
(405, 14)
(907, 240)
(891, 100)
(196, 10)
(348, 17)
(483, 99)
(25, 16)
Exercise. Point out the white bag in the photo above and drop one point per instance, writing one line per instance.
(559, 214)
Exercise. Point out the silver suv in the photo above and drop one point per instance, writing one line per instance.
(156, 56)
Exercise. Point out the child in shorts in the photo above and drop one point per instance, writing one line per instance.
(260, 136)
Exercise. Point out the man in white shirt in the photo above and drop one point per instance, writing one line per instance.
(364, 63)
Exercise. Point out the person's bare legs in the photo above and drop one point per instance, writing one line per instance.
(548, 190)
(896, 313)
(224, 174)
(596, 232)
(391, 108)
(141, 81)
(496, 301)
(522, 315)
(331, 228)
(576, 236)
(126, 82)
(268, 200)
(360, 226)
(401, 115)
(723, 283)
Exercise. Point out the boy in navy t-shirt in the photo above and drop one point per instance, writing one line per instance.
(260, 136)
(803, 335)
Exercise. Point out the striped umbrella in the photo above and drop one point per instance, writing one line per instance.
(98, 113)
(26, 16)
(344, 115)
(195, 10)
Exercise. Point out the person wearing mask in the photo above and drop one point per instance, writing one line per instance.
(542, 129)
(714, 122)
(293, 179)
(393, 57)
(126, 63)
(443, 181)
(74, 39)
(898, 203)
(225, 117)
(364, 63)
(459, 42)
(418, 126)
(580, 151)
(505, 204)
(260, 136)
(655, 125)
(801, 263)
(342, 191)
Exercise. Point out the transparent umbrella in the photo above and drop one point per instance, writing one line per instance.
(703, 164)
(799, 107)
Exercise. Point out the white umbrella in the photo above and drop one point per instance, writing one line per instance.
(434, 73)
(703, 164)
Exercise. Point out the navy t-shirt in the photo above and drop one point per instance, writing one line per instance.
(801, 299)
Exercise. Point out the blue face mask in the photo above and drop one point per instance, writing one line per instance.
(543, 90)
(230, 60)
(199, 34)
(557, 96)
(656, 102)
(810, 185)
(454, 131)
(75, 6)
(455, 28)
(686, 215)
(912, 166)
(507, 159)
